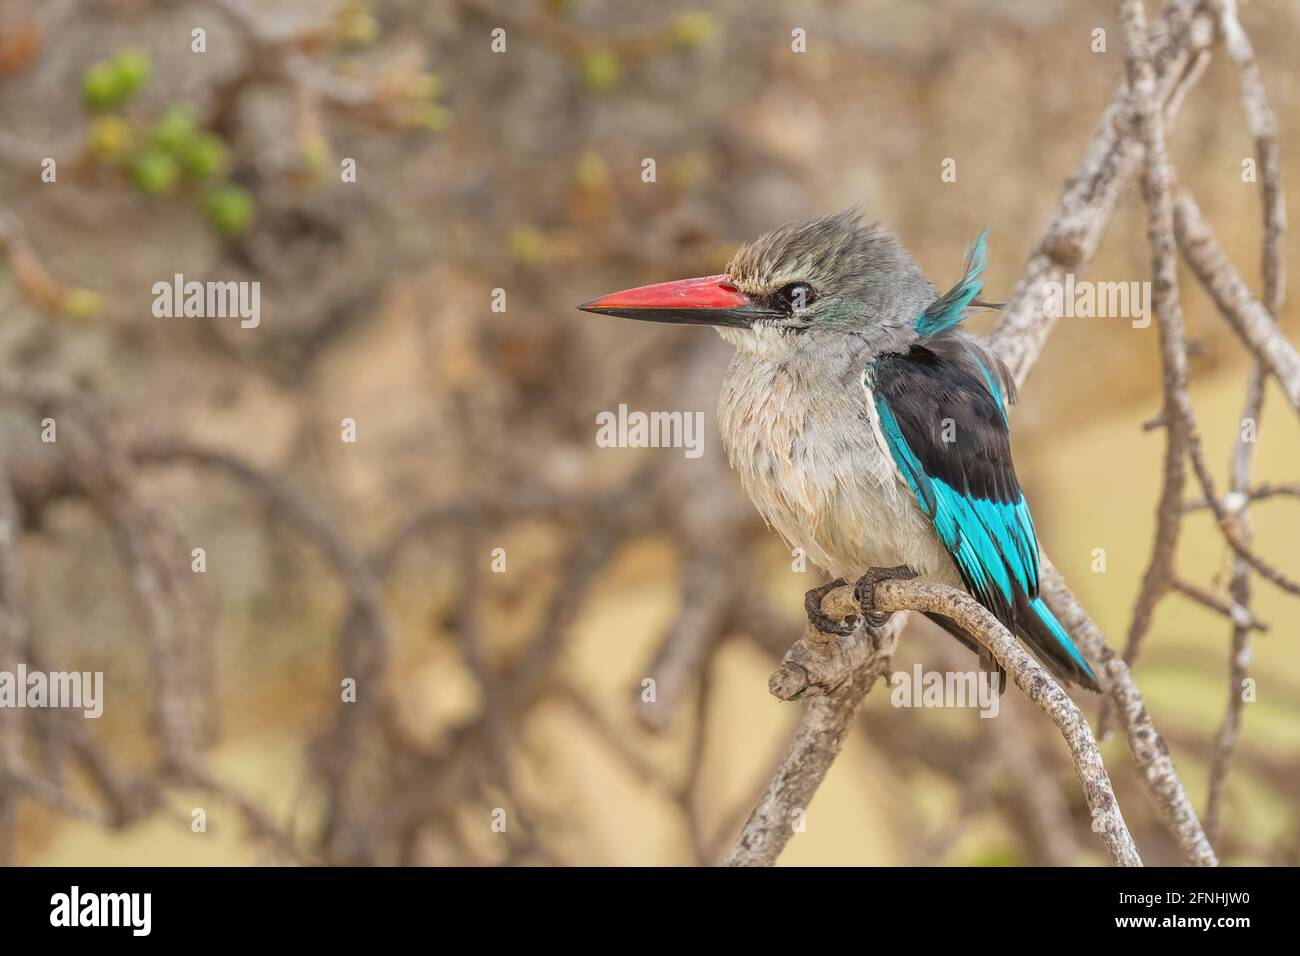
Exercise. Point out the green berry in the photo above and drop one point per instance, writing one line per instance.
(109, 83)
(601, 69)
(132, 68)
(229, 209)
(527, 245)
(425, 86)
(78, 303)
(175, 129)
(592, 171)
(205, 157)
(694, 27)
(358, 28)
(99, 86)
(109, 139)
(155, 172)
(433, 117)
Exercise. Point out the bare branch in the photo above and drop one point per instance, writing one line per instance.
(1228, 524)
(1235, 501)
(836, 674)
(1233, 612)
(1148, 748)
(1264, 129)
(1180, 433)
(1246, 314)
(1239, 589)
(1110, 162)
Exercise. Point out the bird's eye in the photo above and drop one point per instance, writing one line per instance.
(797, 296)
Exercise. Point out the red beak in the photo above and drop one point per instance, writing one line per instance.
(711, 300)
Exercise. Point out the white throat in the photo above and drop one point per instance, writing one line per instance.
(765, 340)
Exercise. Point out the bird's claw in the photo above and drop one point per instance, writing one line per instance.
(812, 603)
(864, 591)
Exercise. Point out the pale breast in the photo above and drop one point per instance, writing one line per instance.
(806, 454)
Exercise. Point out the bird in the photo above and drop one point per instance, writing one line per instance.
(867, 426)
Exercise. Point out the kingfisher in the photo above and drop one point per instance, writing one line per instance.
(867, 426)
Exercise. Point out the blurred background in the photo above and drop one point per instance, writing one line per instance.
(499, 714)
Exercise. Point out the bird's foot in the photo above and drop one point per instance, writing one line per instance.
(864, 591)
(812, 603)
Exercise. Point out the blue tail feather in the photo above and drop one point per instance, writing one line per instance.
(1062, 638)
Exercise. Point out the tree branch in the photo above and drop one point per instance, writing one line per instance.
(1110, 162)
(1246, 314)
(834, 676)
(837, 674)
(1263, 125)
(1150, 753)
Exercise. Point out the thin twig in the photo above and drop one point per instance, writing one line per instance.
(1264, 129)
(1248, 317)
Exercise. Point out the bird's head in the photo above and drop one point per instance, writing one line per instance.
(794, 287)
